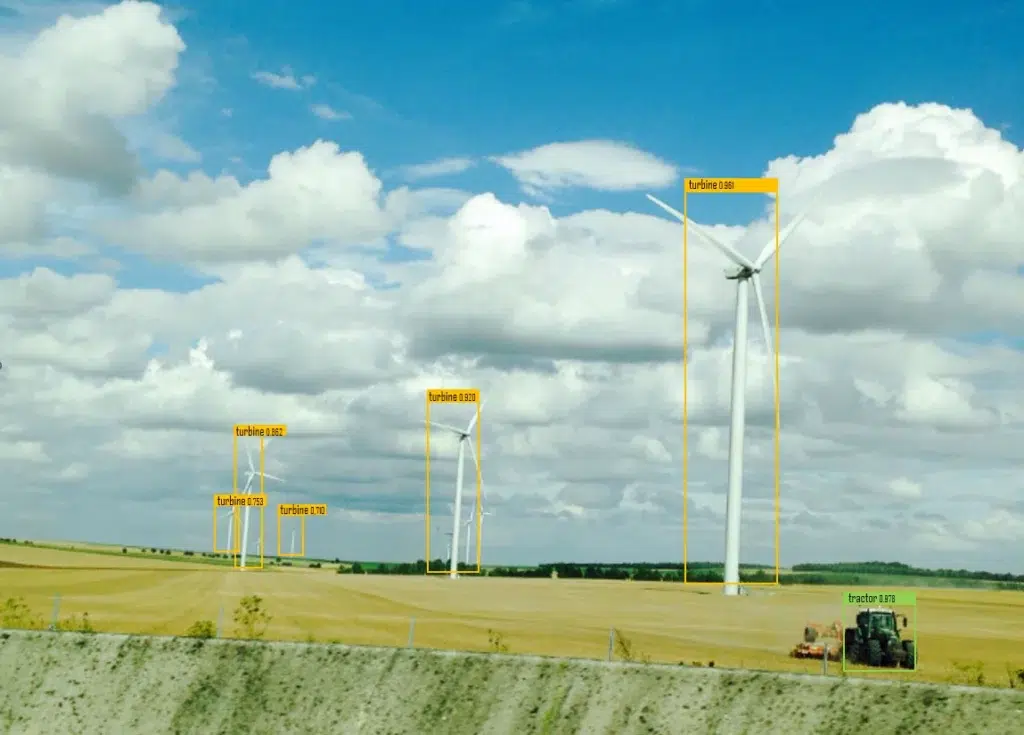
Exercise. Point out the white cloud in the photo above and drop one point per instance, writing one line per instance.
(441, 167)
(72, 83)
(901, 428)
(902, 487)
(316, 194)
(593, 164)
(284, 80)
(326, 112)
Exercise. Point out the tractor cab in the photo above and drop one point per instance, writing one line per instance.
(878, 620)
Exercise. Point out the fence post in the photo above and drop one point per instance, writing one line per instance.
(824, 662)
(220, 619)
(56, 612)
(412, 631)
(611, 642)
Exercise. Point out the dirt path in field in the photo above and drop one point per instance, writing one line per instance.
(53, 682)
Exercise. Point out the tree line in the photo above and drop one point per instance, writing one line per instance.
(835, 573)
(839, 574)
(898, 568)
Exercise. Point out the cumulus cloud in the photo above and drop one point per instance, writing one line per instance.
(605, 165)
(316, 194)
(66, 89)
(331, 304)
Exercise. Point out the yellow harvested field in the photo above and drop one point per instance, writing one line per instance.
(667, 622)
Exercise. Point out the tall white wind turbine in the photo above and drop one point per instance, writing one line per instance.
(465, 439)
(747, 272)
(250, 476)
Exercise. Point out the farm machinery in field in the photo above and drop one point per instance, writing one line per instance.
(875, 640)
(820, 641)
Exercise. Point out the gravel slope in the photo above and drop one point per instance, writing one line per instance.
(74, 683)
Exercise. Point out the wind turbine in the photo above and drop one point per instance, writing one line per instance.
(229, 513)
(465, 439)
(747, 272)
(250, 475)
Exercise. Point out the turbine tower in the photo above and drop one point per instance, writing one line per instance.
(465, 438)
(747, 273)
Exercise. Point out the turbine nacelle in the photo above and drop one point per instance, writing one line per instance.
(743, 273)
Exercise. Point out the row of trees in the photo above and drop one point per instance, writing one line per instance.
(898, 568)
(839, 573)
(846, 574)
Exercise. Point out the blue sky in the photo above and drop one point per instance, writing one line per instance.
(699, 83)
(714, 87)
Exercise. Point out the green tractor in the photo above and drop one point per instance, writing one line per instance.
(875, 641)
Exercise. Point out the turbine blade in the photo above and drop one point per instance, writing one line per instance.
(784, 233)
(765, 327)
(272, 477)
(446, 427)
(476, 415)
(248, 455)
(472, 451)
(674, 212)
(726, 250)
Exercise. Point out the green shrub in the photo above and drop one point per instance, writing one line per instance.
(15, 613)
(76, 624)
(625, 650)
(971, 673)
(251, 619)
(1015, 676)
(201, 629)
(496, 641)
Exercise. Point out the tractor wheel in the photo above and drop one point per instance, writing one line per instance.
(854, 654)
(897, 655)
(910, 661)
(874, 653)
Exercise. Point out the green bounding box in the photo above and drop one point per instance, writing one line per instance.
(880, 630)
